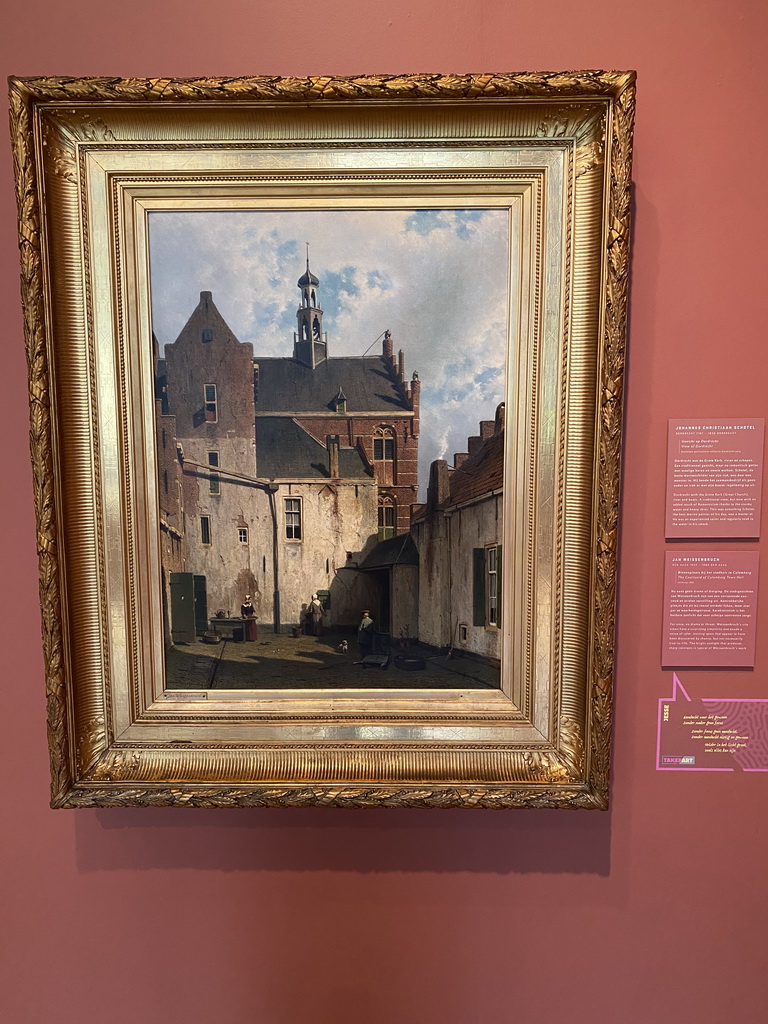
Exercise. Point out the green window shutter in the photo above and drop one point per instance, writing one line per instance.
(499, 588)
(478, 586)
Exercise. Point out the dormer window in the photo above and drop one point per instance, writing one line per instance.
(340, 403)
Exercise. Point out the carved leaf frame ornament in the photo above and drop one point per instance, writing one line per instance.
(91, 157)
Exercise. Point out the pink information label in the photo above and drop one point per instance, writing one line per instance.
(710, 609)
(728, 735)
(714, 478)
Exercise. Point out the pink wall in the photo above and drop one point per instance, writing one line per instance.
(652, 912)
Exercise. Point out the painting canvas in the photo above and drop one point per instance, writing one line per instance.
(330, 390)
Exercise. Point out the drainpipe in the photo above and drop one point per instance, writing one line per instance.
(271, 491)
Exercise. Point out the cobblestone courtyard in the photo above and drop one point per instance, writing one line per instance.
(307, 662)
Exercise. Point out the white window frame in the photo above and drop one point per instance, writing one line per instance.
(294, 511)
(242, 534)
(214, 402)
(491, 587)
(207, 521)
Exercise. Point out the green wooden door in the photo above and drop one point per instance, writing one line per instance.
(182, 607)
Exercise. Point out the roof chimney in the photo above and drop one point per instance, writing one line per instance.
(500, 416)
(386, 349)
(439, 485)
(332, 444)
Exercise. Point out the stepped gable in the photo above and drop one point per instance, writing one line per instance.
(482, 472)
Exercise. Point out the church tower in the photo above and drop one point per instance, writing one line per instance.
(310, 343)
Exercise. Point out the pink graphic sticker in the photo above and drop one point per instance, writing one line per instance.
(711, 735)
(710, 609)
(714, 478)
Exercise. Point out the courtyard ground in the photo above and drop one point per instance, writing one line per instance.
(281, 661)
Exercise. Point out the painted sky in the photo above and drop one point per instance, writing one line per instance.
(437, 279)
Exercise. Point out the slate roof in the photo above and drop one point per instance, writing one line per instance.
(480, 473)
(286, 385)
(284, 450)
(395, 551)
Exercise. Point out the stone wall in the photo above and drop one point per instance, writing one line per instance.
(446, 544)
(337, 518)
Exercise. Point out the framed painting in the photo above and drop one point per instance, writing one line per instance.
(326, 387)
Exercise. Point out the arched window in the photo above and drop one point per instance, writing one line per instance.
(384, 454)
(387, 516)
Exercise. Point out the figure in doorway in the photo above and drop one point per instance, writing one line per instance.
(248, 613)
(365, 634)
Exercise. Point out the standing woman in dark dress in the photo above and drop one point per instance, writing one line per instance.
(248, 613)
(365, 634)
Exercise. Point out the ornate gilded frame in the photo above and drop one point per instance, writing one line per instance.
(89, 155)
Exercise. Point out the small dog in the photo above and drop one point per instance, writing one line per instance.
(343, 647)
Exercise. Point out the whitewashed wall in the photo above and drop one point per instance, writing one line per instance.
(445, 545)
